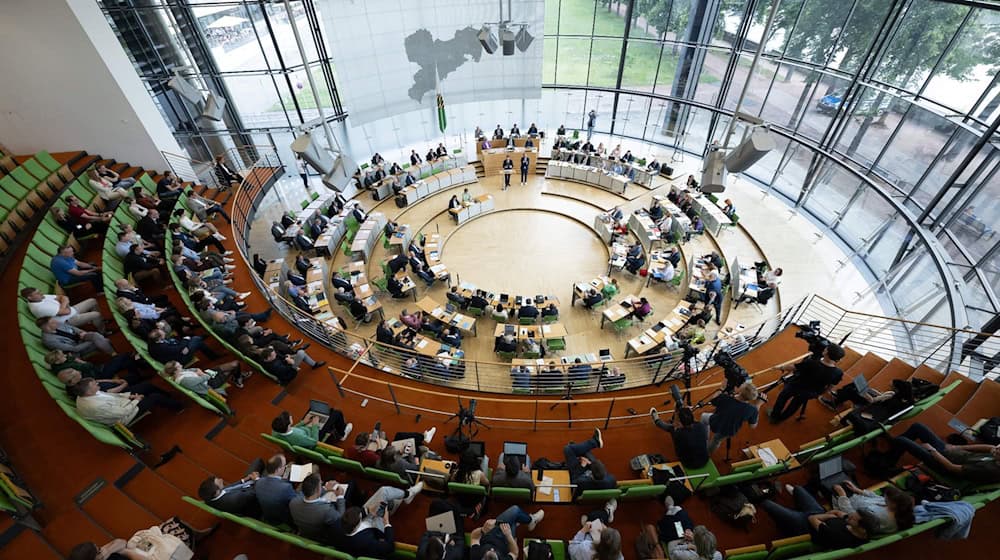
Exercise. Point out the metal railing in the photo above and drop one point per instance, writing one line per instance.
(973, 354)
(240, 158)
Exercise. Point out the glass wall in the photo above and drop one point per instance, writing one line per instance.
(880, 106)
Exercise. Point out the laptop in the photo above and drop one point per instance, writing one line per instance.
(477, 447)
(442, 523)
(517, 300)
(504, 298)
(517, 449)
(319, 409)
(605, 355)
(831, 472)
(861, 384)
(958, 426)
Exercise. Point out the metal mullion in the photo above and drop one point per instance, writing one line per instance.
(770, 86)
(284, 67)
(791, 30)
(270, 70)
(980, 185)
(892, 137)
(945, 52)
(952, 140)
(621, 60)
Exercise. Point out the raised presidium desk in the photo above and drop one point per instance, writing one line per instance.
(632, 172)
(480, 205)
(442, 180)
(660, 333)
(552, 486)
(594, 176)
(367, 236)
(493, 159)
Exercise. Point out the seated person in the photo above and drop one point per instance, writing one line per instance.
(529, 143)
(510, 473)
(527, 310)
(500, 313)
(665, 273)
(585, 471)
(550, 311)
(111, 408)
(275, 492)
(690, 439)
(457, 298)
(451, 337)
(404, 464)
(317, 510)
(633, 264)
(729, 209)
(414, 321)
(892, 510)
(531, 346)
(369, 445)
(286, 368)
(592, 298)
(595, 539)
(311, 430)
(655, 211)
(395, 288)
(696, 544)
(496, 540)
(200, 381)
(580, 372)
(238, 498)
(57, 360)
(610, 289)
(505, 343)
(68, 270)
(642, 309)
(57, 335)
(979, 463)
(58, 306)
(479, 300)
(832, 529)
(654, 166)
(551, 376)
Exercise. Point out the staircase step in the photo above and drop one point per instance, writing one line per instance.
(162, 498)
(117, 512)
(850, 357)
(68, 158)
(895, 369)
(71, 527)
(868, 365)
(244, 445)
(131, 172)
(83, 163)
(953, 401)
(29, 544)
(184, 473)
(928, 373)
(984, 403)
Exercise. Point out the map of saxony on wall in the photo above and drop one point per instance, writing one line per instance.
(385, 53)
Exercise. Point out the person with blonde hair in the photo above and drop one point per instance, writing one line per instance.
(731, 412)
(697, 544)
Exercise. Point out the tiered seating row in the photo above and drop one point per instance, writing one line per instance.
(113, 269)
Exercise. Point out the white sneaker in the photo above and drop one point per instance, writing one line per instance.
(429, 434)
(610, 507)
(347, 431)
(413, 491)
(230, 266)
(219, 236)
(243, 296)
(227, 253)
(535, 518)
(227, 260)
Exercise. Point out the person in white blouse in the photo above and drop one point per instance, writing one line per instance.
(110, 408)
(200, 381)
(105, 188)
(200, 229)
(698, 544)
(595, 540)
(136, 209)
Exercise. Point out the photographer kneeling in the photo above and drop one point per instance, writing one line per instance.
(812, 377)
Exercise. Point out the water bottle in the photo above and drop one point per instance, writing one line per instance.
(555, 495)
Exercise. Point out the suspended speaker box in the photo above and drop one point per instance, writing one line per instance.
(760, 142)
(713, 178)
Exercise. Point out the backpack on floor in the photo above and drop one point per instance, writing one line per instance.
(989, 432)
(539, 550)
(732, 506)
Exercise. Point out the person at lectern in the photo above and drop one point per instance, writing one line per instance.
(508, 169)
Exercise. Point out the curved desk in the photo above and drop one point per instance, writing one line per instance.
(585, 174)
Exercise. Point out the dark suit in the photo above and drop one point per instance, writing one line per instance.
(507, 164)
(316, 520)
(238, 499)
(528, 311)
(138, 297)
(274, 494)
(524, 169)
(370, 542)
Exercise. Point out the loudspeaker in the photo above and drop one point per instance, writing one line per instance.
(184, 89)
(488, 40)
(507, 38)
(315, 156)
(713, 178)
(214, 106)
(523, 39)
(760, 142)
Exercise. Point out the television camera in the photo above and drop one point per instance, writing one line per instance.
(811, 334)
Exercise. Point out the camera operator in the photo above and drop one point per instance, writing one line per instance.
(812, 377)
(731, 412)
(690, 439)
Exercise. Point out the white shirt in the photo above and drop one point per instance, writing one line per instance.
(189, 224)
(138, 210)
(49, 307)
(108, 408)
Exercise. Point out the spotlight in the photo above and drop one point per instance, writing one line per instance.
(523, 39)
(184, 89)
(213, 108)
(750, 151)
(507, 37)
(488, 40)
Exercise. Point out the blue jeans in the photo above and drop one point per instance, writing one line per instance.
(573, 452)
(908, 442)
(793, 521)
(512, 516)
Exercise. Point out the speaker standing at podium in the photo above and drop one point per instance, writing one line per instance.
(508, 168)
(525, 161)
